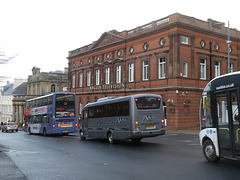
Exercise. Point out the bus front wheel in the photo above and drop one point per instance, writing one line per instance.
(44, 132)
(209, 151)
(82, 135)
(110, 138)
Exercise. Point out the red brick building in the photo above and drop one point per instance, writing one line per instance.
(175, 56)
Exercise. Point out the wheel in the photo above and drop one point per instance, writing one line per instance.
(82, 135)
(16, 130)
(29, 131)
(209, 151)
(44, 132)
(110, 138)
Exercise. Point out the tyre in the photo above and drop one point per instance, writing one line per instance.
(82, 137)
(110, 138)
(44, 132)
(209, 151)
(29, 131)
(16, 130)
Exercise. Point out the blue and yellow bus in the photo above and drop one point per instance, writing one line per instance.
(51, 114)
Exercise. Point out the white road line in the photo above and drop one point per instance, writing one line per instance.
(31, 140)
(16, 151)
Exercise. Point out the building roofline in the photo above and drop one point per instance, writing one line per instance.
(209, 26)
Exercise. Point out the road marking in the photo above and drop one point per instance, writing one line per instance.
(71, 137)
(194, 144)
(16, 151)
(31, 140)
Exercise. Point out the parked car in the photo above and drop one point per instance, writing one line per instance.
(9, 126)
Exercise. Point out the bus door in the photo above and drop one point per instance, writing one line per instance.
(228, 124)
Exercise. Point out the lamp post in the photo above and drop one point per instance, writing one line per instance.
(210, 52)
(228, 42)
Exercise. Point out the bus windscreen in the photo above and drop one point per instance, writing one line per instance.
(148, 103)
(65, 105)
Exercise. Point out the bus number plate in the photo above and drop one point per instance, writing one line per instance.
(151, 126)
(65, 131)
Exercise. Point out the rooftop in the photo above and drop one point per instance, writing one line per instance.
(209, 25)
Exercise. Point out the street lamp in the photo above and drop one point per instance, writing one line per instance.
(228, 42)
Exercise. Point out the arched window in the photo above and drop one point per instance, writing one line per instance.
(53, 88)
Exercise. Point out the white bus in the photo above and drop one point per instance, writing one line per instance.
(120, 118)
(219, 118)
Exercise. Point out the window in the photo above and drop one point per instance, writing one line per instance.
(109, 110)
(80, 107)
(148, 103)
(145, 70)
(185, 69)
(184, 40)
(118, 74)
(131, 72)
(217, 69)
(65, 105)
(231, 67)
(89, 78)
(81, 80)
(203, 69)
(53, 88)
(73, 81)
(97, 77)
(107, 76)
(161, 68)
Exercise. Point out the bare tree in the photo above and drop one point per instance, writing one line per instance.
(4, 59)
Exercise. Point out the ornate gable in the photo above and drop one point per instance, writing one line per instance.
(107, 38)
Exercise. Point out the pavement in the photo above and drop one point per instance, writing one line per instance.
(9, 171)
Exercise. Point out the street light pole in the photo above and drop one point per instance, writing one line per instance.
(228, 42)
(210, 53)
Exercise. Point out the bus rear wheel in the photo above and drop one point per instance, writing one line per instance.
(29, 131)
(209, 151)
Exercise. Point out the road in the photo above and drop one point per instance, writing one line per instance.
(172, 156)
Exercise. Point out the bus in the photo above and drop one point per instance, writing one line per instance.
(219, 118)
(121, 118)
(51, 114)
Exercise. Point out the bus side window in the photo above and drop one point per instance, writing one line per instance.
(33, 103)
(50, 100)
(83, 115)
(44, 103)
(45, 119)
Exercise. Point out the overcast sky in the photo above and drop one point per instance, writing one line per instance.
(41, 32)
